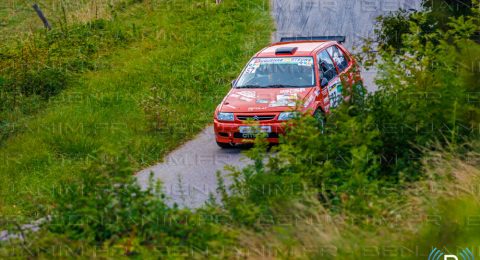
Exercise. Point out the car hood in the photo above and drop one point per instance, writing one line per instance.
(241, 100)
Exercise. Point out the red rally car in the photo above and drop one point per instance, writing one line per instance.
(310, 71)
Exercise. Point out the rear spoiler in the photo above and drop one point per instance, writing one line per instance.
(340, 39)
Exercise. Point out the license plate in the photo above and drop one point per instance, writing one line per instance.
(255, 130)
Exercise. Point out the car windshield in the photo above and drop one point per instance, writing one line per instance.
(286, 72)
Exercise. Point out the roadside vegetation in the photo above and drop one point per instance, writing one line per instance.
(94, 84)
(371, 173)
(389, 177)
(18, 19)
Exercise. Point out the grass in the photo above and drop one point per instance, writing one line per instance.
(188, 52)
(18, 18)
(442, 212)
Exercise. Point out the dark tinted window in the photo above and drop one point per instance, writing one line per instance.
(338, 57)
(327, 69)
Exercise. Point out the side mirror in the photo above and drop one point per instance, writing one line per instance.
(324, 82)
(234, 82)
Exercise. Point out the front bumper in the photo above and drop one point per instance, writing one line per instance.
(228, 132)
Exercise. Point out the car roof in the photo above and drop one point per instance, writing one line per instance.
(303, 48)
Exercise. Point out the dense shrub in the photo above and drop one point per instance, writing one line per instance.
(442, 10)
(107, 208)
(392, 28)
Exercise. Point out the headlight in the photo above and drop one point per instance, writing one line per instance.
(284, 116)
(225, 116)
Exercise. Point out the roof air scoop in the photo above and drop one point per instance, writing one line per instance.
(286, 50)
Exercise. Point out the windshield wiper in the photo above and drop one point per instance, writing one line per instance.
(280, 86)
(249, 86)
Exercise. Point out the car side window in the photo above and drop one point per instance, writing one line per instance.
(338, 57)
(326, 67)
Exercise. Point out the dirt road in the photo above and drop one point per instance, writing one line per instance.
(189, 173)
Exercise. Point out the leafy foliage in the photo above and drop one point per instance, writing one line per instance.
(106, 207)
(394, 27)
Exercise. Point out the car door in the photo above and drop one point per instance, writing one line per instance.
(329, 81)
(342, 64)
(349, 75)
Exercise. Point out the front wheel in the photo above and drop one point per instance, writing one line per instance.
(224, 145)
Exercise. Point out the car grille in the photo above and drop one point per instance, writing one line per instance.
(256, 117)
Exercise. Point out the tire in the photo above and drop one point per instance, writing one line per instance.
(224, 145)
(321, 119)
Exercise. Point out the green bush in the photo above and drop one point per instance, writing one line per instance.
(440, 11)
(45, 82)
(106, 208)
(392, 28)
